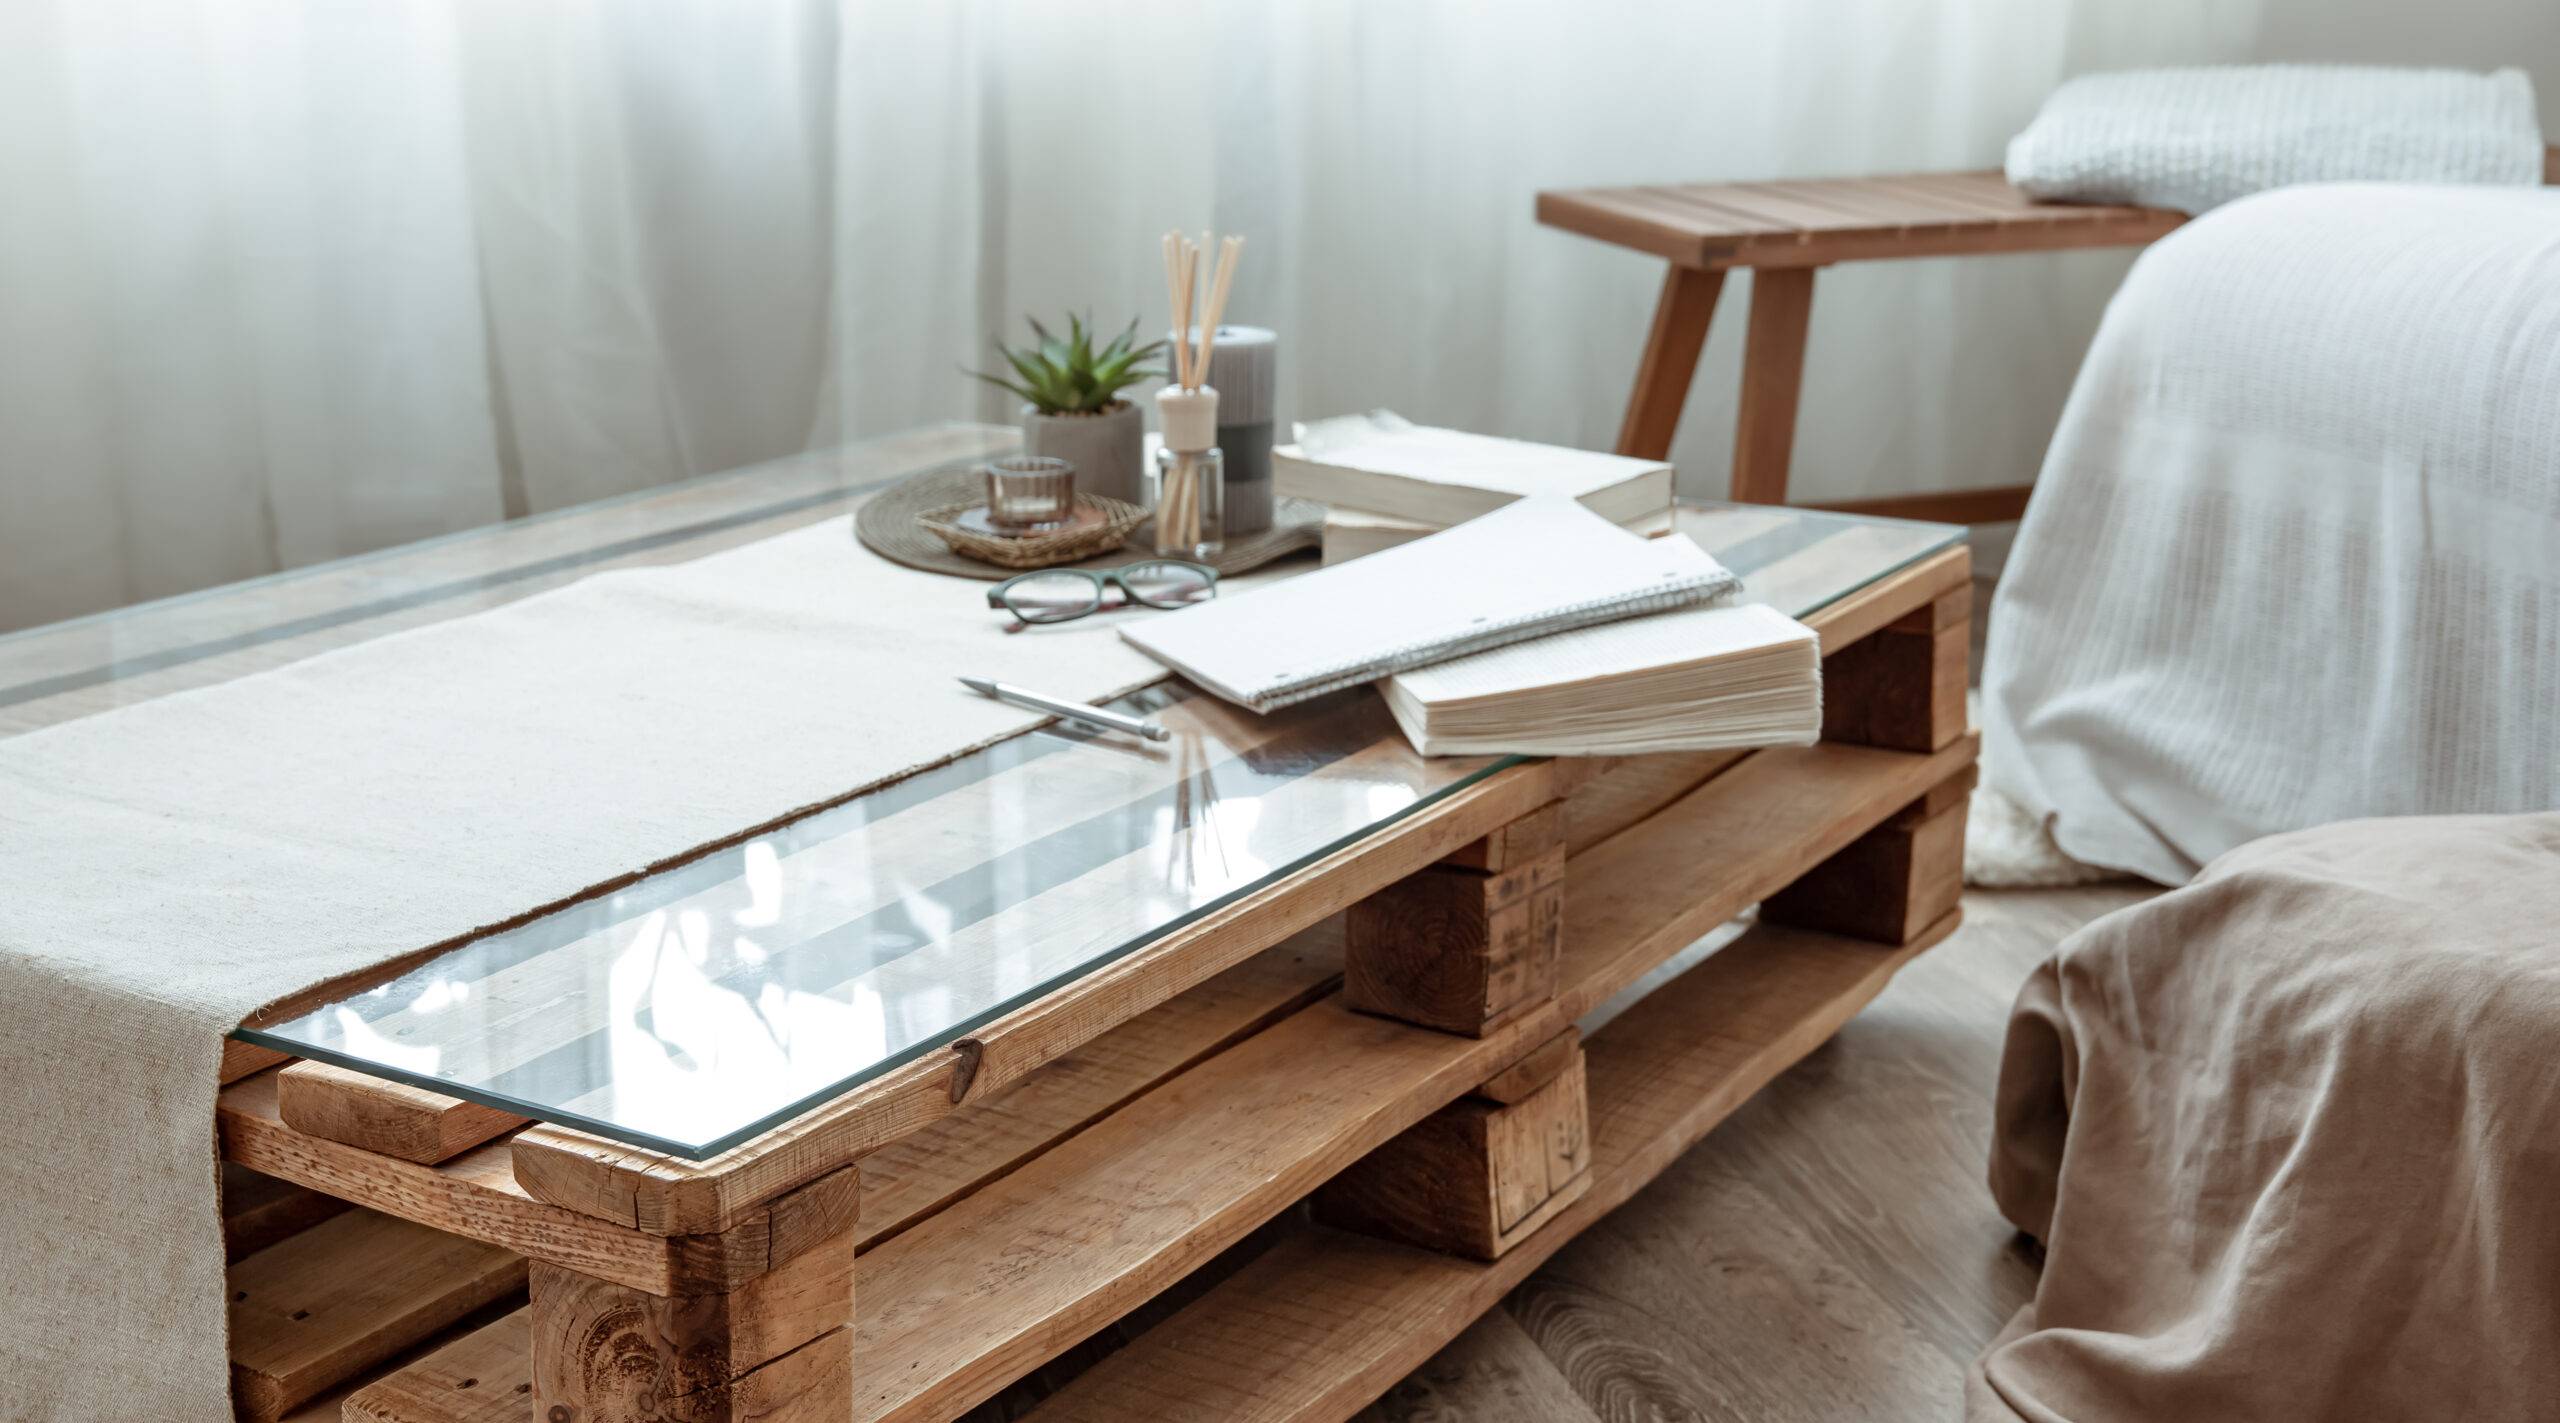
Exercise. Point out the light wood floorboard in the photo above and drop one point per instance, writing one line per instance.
(1829, 1253)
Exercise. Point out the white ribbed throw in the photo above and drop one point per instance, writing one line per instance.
(2193, 139)
(167, 868)
(2294, 555)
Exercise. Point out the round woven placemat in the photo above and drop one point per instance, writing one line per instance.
(888, 525)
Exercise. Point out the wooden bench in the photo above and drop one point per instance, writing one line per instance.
(1784, 232)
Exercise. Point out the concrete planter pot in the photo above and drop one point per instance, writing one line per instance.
(1106, 447)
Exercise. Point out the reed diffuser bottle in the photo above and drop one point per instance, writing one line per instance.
(1190, 483)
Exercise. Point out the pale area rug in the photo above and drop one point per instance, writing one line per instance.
(170, 867)
(2007, 846)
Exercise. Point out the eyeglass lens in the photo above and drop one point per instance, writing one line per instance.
(1053, 597)
(1166, 585)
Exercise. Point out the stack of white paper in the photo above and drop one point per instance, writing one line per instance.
(1693, 680)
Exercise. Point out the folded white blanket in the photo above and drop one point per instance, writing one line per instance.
(2192, 139)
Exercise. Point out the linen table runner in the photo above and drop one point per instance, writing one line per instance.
(170, 867)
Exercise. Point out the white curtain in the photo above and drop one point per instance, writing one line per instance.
(282, 280)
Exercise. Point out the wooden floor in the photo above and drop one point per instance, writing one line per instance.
(1829, 1253)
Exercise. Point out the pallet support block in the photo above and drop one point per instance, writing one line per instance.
(1891, 883)
(1902, 687)
(1458, 949)
(1479, 1175)
(777, 1348)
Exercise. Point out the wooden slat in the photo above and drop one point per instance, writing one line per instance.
(317, 1308)
(486, 1376)
(909, 1180)
(1108, 1218)
(473, 1195)
(1104, 1220)
(1327, 1320)
(392, 1118)
(653, 1191)
(259, 1210)
(1808, 223)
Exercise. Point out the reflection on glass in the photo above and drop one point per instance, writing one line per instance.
(702, 1005)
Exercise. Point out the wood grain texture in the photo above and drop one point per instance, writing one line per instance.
(1891, 882)
(778, 1350)
(391, 1118)
(656, 1192)
(1618, 791)
(1492, 1373)
(1527, 838)
(475, 1195)
(1902, 686)
(484, 1376)
(1801, 224)
(1773, 349)
(1534, 1070)
(315, 1309)
(1104, 1220)
(1475, 1177)
(1325, 1321)
(910, 1179)
(1456, 949)
(1681, 316)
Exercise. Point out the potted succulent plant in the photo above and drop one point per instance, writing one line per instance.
(1074, 409)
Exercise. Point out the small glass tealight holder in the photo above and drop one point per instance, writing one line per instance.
(1029, 494)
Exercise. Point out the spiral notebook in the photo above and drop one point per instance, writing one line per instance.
(1537, 566)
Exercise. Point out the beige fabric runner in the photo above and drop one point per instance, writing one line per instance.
(2289, 1134)
(168, 868)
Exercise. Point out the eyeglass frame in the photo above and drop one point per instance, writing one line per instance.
(1103, 580)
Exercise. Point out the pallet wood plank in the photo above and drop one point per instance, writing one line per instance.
(473, 1195)
(313, 1310)
(391, 1118)
(484, 1376)
(258, 1210)
(1327, 1320)
(1109, 1217)
(1104, 1220)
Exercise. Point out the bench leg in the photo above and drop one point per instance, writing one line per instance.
(1764, 434)
(1891, 883)
(1459, 949)
(1680, 318)
(777, 1347)
(1481, 1174)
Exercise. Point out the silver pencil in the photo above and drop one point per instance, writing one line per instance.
(1108, 720)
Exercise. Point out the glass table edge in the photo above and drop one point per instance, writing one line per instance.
(923, 1047)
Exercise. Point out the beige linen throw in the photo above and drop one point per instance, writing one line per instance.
(2291, 1136)
(167, 868)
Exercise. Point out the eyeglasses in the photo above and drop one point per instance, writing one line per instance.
(1057, 595)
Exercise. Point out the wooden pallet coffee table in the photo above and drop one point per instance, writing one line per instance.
(1359, 1052)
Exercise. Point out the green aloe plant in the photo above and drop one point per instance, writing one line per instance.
(1070, 377)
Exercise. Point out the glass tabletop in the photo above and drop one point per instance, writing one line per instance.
(712, 1001)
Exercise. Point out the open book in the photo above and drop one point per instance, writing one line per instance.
(1693, 680)
(1534, 567)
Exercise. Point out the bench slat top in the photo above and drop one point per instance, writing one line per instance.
(1810, 222)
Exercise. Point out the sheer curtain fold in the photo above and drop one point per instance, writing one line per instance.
(283, 279)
